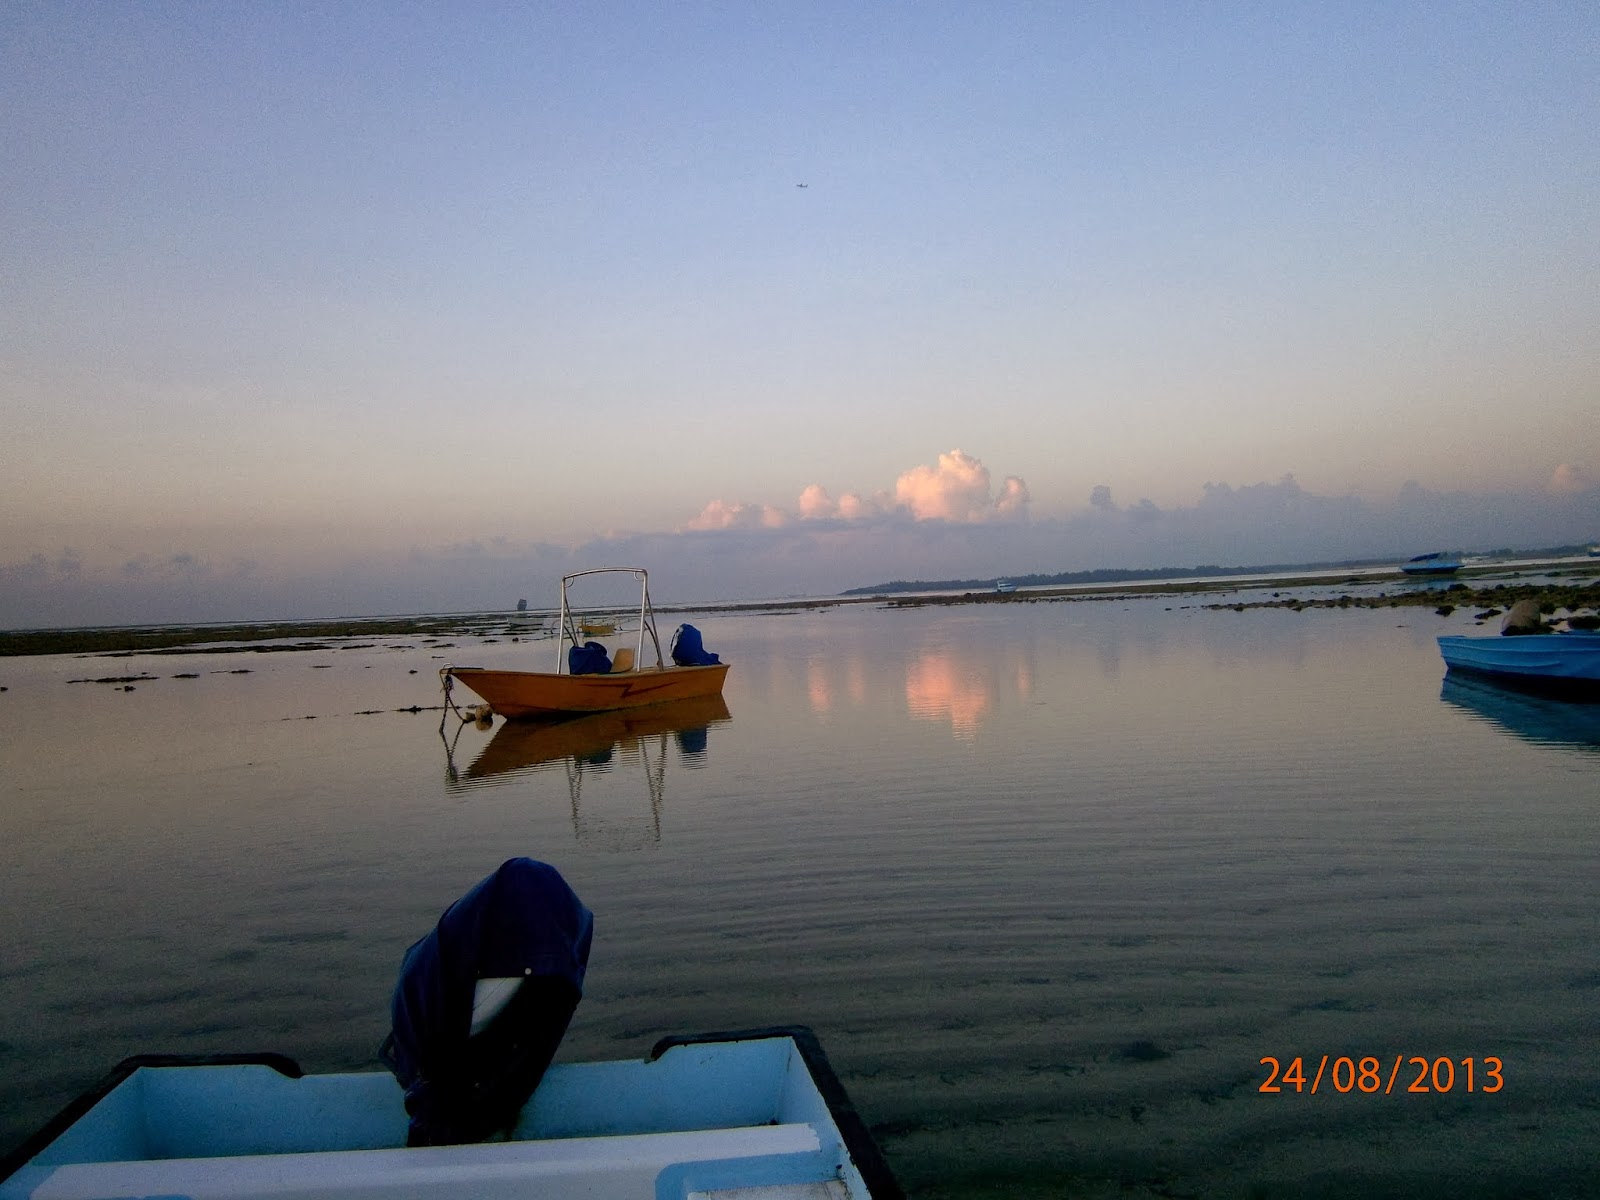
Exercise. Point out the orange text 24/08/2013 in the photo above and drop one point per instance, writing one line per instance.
(1406, 1074)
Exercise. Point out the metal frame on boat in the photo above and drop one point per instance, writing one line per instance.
(758, 1112)
(629, 684)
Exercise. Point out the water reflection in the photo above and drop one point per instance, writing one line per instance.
(939, 688)
(1544, 719)
(830, 683)
(930, 675)
(519, 745)
(626, 815)
(1225, 844)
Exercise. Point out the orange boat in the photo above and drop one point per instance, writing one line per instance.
(619, 683)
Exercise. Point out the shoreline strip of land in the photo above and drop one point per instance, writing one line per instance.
(1581, 594)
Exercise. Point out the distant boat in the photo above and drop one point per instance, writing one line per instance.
(587, 680)
(1568, 661)
(1004, 585)
(1594, 551)
(1437, 563)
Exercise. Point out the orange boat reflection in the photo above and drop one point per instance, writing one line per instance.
(518, 745)
(606, 804)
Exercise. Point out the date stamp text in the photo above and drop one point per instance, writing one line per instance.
(1370, 1074)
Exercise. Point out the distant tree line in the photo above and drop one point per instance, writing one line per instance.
(1098, 575)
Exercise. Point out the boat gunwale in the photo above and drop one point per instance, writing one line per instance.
(860, 1148)
(81, 1105)
(580, 695)
(859, 1143)
(1538, 663)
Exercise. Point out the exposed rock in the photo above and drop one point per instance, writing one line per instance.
(1523, 617)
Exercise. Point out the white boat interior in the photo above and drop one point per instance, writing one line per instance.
(758, 1116)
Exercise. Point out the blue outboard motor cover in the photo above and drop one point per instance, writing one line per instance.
(689, 651)
(588, 659)
(525, 922)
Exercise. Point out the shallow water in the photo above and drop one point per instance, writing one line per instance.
(1048, 879)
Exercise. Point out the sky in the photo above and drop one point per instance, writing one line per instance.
(313, 310)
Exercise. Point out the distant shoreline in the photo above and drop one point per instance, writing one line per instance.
(289, 636)
(1480, 562)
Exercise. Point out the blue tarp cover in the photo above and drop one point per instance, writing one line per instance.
(689, 651)
(523, 921)
(588, 659)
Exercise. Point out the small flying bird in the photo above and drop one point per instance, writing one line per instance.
(802, 185)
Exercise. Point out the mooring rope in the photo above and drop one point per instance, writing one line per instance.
(477, 713)
(447, 682)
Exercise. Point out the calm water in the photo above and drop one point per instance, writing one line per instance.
(1048, 880)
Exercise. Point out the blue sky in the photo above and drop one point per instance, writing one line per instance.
(313, 305)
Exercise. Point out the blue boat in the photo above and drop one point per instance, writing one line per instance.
(1567, 661)
(1431, 564)
(756, 1113)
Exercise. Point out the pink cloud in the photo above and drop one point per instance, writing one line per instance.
(1568, 480)
(958, 489)
(1013, 498)
(853, 508)
(719, 514)
(815, 503)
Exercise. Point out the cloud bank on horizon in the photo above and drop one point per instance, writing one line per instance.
(946, 520)
(957, 488)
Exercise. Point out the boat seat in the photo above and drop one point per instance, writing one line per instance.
(622, 660)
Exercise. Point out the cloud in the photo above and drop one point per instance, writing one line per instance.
(853, 508)
(1013, 499)
(69, 589)
(754, 552)
(815, 503)
(957, 489)
(719, 514)
(1568, 480)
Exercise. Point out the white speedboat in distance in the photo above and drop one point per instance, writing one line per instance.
(1432, 564)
